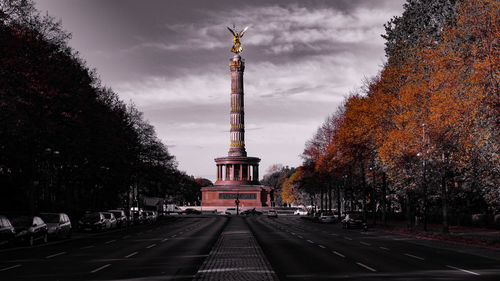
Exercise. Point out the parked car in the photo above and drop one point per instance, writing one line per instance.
(109, 220)
(251, 212)
(231, 211)
(191, 211)
(58, 224)
(136, 217)
(272, 213)
(354, 220)
(326, 217)
(7, 231)
(30, 229)
(300, 212)
(151, 216)
(92, 222)
(121, 218)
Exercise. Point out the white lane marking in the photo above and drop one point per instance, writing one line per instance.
(293, 233)
(164, 240)
(100, 268)
(110, 241)
(87, 247)
(415, 257)
(321, 246)
(348, 238)
(126, 236)
(131, 255)
(364, 243)
(366, 266)
(10, 267)
(55, 255)
(300, 237)
(181, 232)
(463, 270)
(334, 234)
(312, 242)
(338, 254)
(384, 248)
(174, 235)
(151, 246)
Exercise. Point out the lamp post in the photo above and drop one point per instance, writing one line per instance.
(423, 154)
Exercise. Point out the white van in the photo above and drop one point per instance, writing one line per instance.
(231, 211)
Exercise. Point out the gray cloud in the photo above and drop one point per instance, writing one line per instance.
(171, 59)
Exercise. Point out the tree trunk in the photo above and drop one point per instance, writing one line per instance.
(329, 196)
(445, 204)
(338, 202)
(321, 199)
(384, 200)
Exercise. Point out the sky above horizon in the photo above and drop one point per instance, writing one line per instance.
(171, 59)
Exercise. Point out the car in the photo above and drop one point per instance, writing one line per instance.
(272, 213)
(152, 216)
(58, 224)
(136, 217)
(30, 229)
(191, 211)
(231, 211)
(121, 217)
(354, 220)
(94, 221)
(326, 217)
(7, 232)
(251, 212)
(300, 212)
(109, 220)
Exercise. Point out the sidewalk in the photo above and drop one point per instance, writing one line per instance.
(236, 256)
(467, 235)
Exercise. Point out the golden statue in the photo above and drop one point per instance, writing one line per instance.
(236, 40)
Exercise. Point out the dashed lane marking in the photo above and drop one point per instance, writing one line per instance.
(366, 266)
(10, 267)
(364, 243)
(384, 248)
(312, 242)
(338, 254)
(300, 236)
(415, 257)
(348, 238)
(100, 268)
(321, 246)
(131, 255)
(126, 236)
(110, 241)
(87, 247)
(334, 234)
(165, 239)
(151, 246)
(55, 255)
(463, 270)
(173, 236)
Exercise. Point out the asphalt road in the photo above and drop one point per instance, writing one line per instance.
(303, 250)
(296, 249)
(171, 250)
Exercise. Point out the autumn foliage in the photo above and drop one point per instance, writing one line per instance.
(423, 136)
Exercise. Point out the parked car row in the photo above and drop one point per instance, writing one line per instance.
(143, 217)
(29, 230)
(100, 221)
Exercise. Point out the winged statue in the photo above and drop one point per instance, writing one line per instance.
(236, 40)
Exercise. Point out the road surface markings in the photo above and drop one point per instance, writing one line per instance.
(87, 247)
(364, 243)
(131, 255)
(384, 248)
(415, 257)
(463, 270)
(348, 238)
(321, 246)
(100, 268)
(151, 246)
(10, 267)
(173, 235)
(293, 233)
(310, 241)
(110, 241)
(55, 255)
(366, 266)
(334, 234)
(338, 254)
(126, 236)
(181, 232)
(300, 237)
(165, 239)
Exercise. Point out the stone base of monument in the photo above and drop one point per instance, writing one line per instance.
(225, 195)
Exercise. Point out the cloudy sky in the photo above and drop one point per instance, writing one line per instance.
(171, 59)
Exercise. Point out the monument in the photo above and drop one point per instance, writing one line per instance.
(237, 174)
